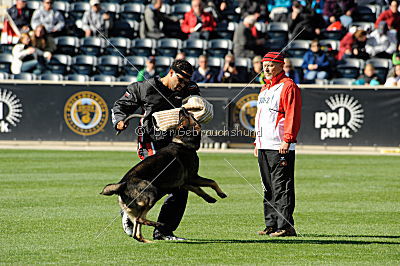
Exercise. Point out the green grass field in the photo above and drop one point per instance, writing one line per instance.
(348, 212)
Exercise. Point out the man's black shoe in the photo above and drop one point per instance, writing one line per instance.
(157, 235)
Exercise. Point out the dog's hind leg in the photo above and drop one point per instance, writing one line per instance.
(200, 193)
(205, 182)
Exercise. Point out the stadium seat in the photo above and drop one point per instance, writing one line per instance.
(67, 45)
(32, 6)
(24, 76)
(78, 77)
(163, 64)
(5, 63)
(92, 46)
(104, 78)
(133, 64)
(243, 64)
(365, 13)
(367, 26)
(127, 79)
(215, 63)
(6, 48)
(165, 8)
(278, 31)
(274, 44)
(60, 63)
(231, 15)
(63, 7)
(111, 8)
(83, 64)
(109, 65)
(277, 12)
(179, 10)
(51, 76)
(381, 66)
(321, 82)
(127, 28)
(219, 47)
(168, 47)
(118, 46)
(194, 47)
(329, 45)
(132, 11)
(143, 47)
(77, 9)
(4, 76)
(342, 81)
(297, 63)
(333, 34)
(225, 30)
(350, 68)
(193, 61)
(297, 48)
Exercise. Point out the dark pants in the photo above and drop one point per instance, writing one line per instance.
(278, 181)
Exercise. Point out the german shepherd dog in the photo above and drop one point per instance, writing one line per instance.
(174, 166)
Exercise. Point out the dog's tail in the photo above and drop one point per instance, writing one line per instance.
(112, 189)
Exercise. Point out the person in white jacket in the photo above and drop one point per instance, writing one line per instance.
(382, 42)
(25, 57)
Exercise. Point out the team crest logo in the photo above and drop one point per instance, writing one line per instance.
(245, 110)
(10, 111)
(86, 113)
(346, 117)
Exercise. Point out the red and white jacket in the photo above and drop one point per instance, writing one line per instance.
(278, 113)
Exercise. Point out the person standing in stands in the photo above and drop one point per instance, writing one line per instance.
(277, 124)
(244, 43)
(52, 19)
(197, 23)
(20, 15)
(95, 20)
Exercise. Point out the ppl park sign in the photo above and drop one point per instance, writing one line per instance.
(344, 119)
(10, 111)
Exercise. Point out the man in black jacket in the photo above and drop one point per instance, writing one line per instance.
(20, 14)
(153, 95)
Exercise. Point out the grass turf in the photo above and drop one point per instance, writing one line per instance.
(51, 212)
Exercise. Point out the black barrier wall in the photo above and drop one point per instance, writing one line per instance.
(74, 112)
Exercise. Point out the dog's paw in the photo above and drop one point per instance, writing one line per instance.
(211, 200)
(222, 195)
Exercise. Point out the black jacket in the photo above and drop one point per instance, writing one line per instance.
(20, 20)
(149, 96)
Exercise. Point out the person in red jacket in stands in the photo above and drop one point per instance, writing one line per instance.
(197, 23)
(390, 16)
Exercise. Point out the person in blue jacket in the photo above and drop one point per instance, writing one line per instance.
(203, 74)
(315, 63)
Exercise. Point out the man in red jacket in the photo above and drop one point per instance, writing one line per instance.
(391, 16)
(197, 23)
(277, 125)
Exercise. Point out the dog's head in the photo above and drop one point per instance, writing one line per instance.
(188, 131)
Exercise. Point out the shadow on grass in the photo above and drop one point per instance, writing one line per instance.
(297, 240)
(345, 236)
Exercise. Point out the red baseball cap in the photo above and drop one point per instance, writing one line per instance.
(273, 57)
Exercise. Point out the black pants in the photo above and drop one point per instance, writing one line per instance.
(278, 182)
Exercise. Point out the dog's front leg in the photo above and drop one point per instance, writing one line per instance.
(205, 182)
(200, 193)
(137, 232)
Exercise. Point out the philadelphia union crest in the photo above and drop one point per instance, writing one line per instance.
(86, 113)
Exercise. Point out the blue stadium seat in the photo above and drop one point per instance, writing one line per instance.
(194, 47)
(163, 64)
(109, 65)
(333, 34)
(25, 76)
(60, 63)
(129, 79)
(113, 9)
(52, 77)
(350, 68)
(193, 61)
(298, 48)
(5, 63)
(165, 8)
(32, 6)
(179, 10)
(329, 45)
(231, 15)
(6, 48)
(367, 26)
(215, 63)
(297, 63)
(365, 13)
(118, 46)
(132, 11)
(104, 78)
(274, 44)
(225, 30)
(125, 28)
(4, 76)
(219, 47)
(84, 64)
(92, 46)
(278, 31)
(243, 64)
(67, 45)
(143, 47)
(381, 66)
(77, 9)
(63, 7)
(342, 81)
(78, 77)
(168, 47)
(133, 64)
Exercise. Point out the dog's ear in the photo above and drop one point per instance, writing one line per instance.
(112, 189)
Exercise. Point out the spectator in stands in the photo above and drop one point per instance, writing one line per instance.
(257, 8)
(43, 42)
(20, 15)
(256, 74)
(25, 57)
(396, 56)
(153, 19)
(95, 19)
(203, 74)
(149, 71)
(391, 16)
(180, 56)
(382, 42)
(369, 77)
(338, 8)
(218, 7)
(335, 24)
(315, 63)
(244, 43)
(395, 80)
(229, 73)
(52, 19)
(291, 72)
(353, 45)
(197, 23)
(304, 23)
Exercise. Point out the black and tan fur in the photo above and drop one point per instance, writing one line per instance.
(172, 167)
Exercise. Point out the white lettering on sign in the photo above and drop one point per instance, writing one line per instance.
(10, 111)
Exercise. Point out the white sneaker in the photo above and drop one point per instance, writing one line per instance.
(127, 224)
